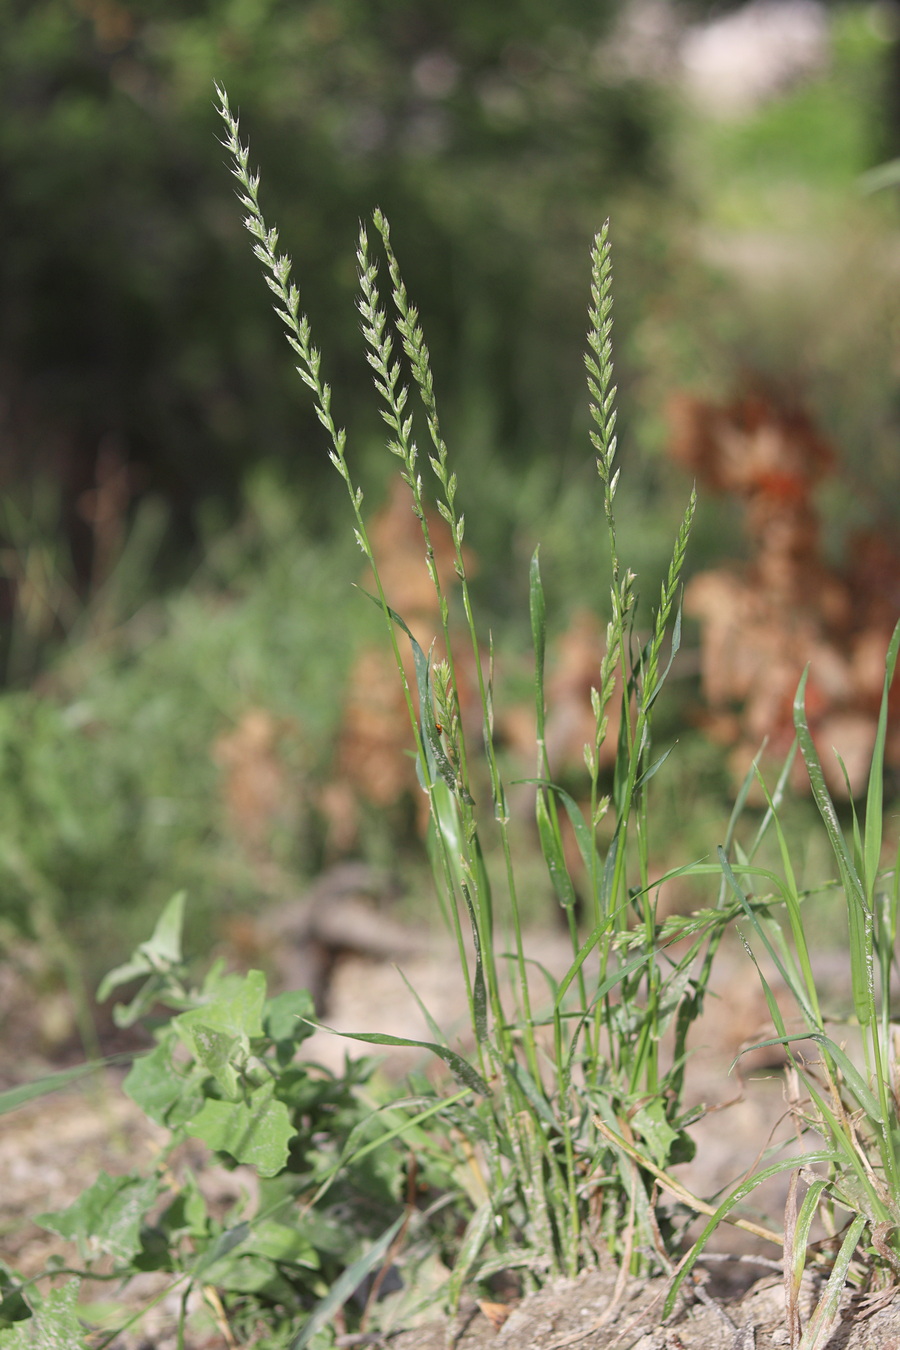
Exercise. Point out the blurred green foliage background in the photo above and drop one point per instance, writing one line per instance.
(131, 306)
(139, 358)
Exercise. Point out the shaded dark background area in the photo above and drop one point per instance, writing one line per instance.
(133, 320)
(134, 328)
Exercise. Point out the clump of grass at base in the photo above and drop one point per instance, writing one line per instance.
(851, 1179)
(572, 1117)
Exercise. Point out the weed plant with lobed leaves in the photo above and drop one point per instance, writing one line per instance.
(224, 1071)
(556, 1145)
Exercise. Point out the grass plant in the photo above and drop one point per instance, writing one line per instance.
(848, 1108)
(556, 1140)
(557, 1186)
(575, 1132)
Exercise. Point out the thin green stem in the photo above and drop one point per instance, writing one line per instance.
(413, 341)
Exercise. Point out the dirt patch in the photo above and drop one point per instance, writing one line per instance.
(591, 1313)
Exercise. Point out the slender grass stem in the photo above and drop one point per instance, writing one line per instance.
(417, 352)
